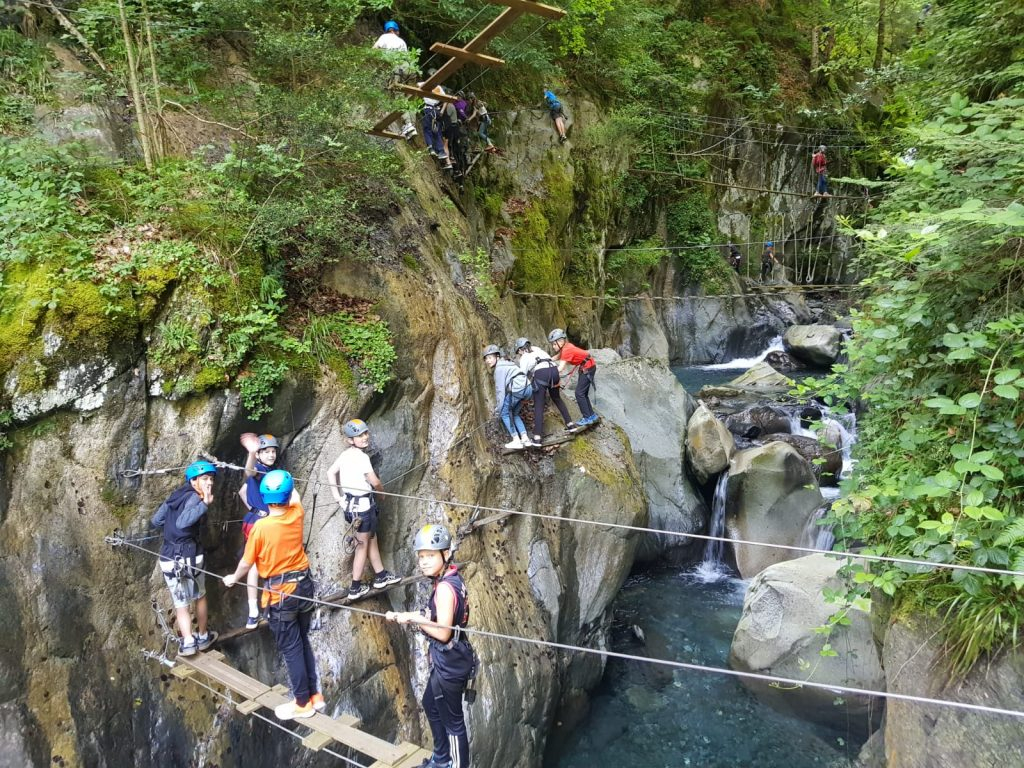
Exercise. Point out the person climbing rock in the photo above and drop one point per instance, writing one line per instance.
(479, 117)
(352, 482)
(735, 258)
(543, 374)
(557, 114)
(768, 261)
(820, 163)
(181, 554)
(455, 138)
(511, 388)
(262, 458)
(567, 353)
(432, 133)
(452, 660)
(391, 41)
(275, 550)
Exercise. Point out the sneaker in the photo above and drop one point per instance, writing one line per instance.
(562, 139)
(385, 579)
(538, 440)
(205, 641)
(591, 419)
(527, 442)
(252, 622)
(515, 444)
(359, 591)
(572, 426)
(317, 700)
(432, 762)
(292, 711)
(189, 649)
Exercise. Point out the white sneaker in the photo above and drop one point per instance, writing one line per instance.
(514, 445)
(527, 442)
(292, 711)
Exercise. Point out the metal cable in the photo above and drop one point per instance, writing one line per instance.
(661, 662)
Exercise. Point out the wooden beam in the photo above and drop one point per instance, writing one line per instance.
(386, 134)
(467, 56)
(528, 6)
(426, 92)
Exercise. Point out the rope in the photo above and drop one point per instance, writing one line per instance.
(661, 662)
(862, 198)
(781, 240)
(508, 53)
(426, 64)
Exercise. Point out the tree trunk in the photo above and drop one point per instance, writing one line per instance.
(158, 123)
(814, 53)
(880, 43)
(133, 83)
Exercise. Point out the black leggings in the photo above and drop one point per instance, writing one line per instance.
(442, 704)
(547, 381)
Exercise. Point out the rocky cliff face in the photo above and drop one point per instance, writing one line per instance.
(75, 688)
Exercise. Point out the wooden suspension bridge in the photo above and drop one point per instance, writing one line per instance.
(470, 53)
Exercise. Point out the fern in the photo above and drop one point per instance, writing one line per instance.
(1013, 533)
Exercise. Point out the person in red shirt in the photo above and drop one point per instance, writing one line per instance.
(568, 354)
(274, 548)
(820, 163)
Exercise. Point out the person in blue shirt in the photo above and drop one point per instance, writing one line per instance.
(181, 554)
(262, 458)
(557, 114)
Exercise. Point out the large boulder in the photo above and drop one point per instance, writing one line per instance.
(921, 736)
(646, 400)
(776, 636)
(816, 344)
(709, 445)
(772, 495)
(762, 376)
(759, 420)
(826, 462)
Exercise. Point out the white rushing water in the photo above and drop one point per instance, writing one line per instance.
(743, 363)
(711, 567)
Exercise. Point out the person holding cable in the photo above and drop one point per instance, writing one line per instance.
(567, 353)
(543, 375)
(453, 662)
(262, 458)
(353, 482)
(181, 554)
(275, 550)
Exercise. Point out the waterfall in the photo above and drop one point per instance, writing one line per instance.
(711, 568)
(743, 363)
(818, 536)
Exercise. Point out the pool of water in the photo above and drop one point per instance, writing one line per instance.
(647, 715)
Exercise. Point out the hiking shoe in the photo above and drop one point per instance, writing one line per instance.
(292, 711)
(358, 591)
(385, 579)
(317, 700)
(205, 641)
(252, 622)
(189, 649)
(515, 444)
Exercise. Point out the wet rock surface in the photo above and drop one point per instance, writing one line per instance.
(709, 445)
(814, 344)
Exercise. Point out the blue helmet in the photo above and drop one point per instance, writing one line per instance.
(198, 469)
(769, 244)
(276, 487)
(391, 26)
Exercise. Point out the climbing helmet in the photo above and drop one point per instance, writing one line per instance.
(268, 441)
(434, 537)
(355, 428)
(521, 342)
(492, 349)
(391, 26)
(276, 486)
(555, 335)
(198, 469)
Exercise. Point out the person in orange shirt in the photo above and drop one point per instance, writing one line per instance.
(275, 549)
(567, 353)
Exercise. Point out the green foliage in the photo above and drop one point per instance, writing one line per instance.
(365, 343)
(257, 384)
(630, 267)
(537, 266)
(479, 263)
(936, 359)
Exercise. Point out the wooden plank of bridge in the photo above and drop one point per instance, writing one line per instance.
(552, 442)
(210, 664)
(380, 129)
(412, 760)
(469, 56)
(528, 6)
(424, 92)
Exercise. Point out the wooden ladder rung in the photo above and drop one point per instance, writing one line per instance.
(248, 706)
(317, 740)
(528, 6)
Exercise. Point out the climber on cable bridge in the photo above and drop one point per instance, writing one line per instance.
(543, 374)
(453, 662)
(567, 353)
(735, 258)
(481, 118)
(557, 113)
(262, 457)
(820, 163)
(353, 481)
(768, 261)
(181, 554)
(454, 131)
(511, 388)
(396, 50)
(274, 548)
